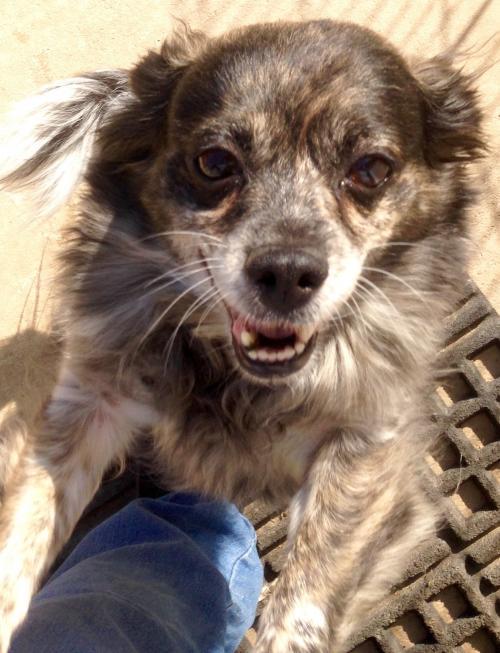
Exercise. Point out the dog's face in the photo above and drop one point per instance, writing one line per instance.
(296, 152)
(278, 167)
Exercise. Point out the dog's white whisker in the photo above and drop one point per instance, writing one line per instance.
(205, 297)
(177, 280)
(352, 311)
(364, 280)
(400, 280)
(165, 312)
(403, 243)
(178, 277)
(207, 312)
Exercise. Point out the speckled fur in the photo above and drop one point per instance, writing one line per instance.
(148, 357)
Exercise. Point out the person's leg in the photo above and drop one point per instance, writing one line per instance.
(175, 574)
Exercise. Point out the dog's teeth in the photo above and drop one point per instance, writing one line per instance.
(299, 347)
(268, 357)
(304, 333)
(248, 339)
(287, 354)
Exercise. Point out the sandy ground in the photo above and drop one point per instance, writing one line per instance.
(44, 40)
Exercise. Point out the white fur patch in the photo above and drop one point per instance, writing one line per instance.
(308, 614)
(53, 132)
(304, 628)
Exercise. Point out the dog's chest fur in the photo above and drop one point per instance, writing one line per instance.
(224, 436)
(267, 462)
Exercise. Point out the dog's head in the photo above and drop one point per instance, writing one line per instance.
(280, 163)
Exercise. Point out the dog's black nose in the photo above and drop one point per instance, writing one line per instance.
(286, 278)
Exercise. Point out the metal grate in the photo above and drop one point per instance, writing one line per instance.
(449, 598)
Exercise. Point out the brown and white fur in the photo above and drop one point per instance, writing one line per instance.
(332, 223)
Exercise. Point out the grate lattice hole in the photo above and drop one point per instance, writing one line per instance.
(410, 629)
(471, 498)
(471, 566)
(451, 539)
(482, 641)
(369, 646)
(451, 603)
(480, 429)
(445, 456)
(486, 587)
(455, 388)
(487, 361)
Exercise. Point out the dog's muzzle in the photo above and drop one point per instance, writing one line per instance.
(285, 280)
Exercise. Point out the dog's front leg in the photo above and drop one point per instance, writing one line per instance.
(352, 527)
(83, 430)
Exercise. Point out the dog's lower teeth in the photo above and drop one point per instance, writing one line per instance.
(286, 354)
(272, 356)
(255, 349)
(265, 356)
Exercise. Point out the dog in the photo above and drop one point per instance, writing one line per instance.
(271, 231)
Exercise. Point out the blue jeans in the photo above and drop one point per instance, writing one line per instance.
(177, 574)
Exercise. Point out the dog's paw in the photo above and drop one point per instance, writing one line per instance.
(279, 641)
(302, 628)
(303, 640)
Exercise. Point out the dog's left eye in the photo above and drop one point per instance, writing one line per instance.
(370, 172)
(217, 164)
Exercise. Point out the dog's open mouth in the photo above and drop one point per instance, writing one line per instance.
(267, 348)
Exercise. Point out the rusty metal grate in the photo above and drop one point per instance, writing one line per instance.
(449, 599)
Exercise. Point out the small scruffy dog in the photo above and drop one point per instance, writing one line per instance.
(271, 235)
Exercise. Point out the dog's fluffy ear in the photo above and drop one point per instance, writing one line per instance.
(47, 142)
(138, 131)
(46, 145)
(153, 79)
(452, 120)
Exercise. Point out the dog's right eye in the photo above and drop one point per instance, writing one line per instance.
(369, 172)
(217, 164)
